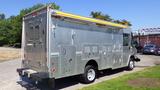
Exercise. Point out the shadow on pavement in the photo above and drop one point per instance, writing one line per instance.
(62, 83)
(109, 72)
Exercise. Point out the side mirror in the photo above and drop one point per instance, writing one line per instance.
(134, 44)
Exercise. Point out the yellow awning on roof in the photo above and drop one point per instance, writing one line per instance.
(68, 15)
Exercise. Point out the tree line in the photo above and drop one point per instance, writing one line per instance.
(106, 17)
(11, 28)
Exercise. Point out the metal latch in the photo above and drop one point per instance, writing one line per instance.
(29, 44)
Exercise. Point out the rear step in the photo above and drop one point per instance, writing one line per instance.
(31, 74)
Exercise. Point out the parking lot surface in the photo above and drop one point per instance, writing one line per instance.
(9, 79)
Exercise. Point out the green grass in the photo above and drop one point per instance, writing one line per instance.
(121, 83)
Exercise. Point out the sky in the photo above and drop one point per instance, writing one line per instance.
(141, 13)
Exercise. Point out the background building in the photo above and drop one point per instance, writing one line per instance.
(148, 35)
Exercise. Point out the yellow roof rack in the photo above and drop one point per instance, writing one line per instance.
(68, 15)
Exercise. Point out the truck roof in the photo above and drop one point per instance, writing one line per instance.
(80, 18)
(87, 19)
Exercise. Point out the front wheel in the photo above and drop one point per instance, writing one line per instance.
(89, 75)
(131, 65)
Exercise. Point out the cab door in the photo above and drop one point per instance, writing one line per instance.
(126, 48)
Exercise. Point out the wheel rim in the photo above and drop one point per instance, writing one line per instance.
(91, 74)
(131, 64)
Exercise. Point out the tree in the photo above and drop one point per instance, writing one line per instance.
(106, 17)
(117, 21)
(18, 19)
(5, 28)
(53, 5)
(2, 16)
(11, 28)
(28, 10)
(100, 15)
(123, 22)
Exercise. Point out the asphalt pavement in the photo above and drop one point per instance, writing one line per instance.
(9, 79)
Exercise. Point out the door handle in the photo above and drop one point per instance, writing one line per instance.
(29, 44)
(70, 60)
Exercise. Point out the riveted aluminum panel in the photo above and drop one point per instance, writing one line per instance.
(35, 41)
(63, 48)
(104, 45)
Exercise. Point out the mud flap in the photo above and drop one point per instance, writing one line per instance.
(136, 59)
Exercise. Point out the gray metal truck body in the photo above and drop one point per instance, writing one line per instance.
(55, 47)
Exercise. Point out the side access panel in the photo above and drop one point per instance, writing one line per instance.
(67, 57)
(106, 56)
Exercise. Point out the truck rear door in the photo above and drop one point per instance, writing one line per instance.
(35, 42)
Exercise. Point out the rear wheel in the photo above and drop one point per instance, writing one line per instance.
(89, 75)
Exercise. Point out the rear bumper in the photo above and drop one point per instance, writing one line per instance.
(33, 75)
(148, 52)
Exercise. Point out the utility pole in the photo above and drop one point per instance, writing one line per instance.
(139, 40)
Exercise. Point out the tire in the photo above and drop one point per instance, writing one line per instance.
(156, 53)
(90, 74)
(131, 64)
